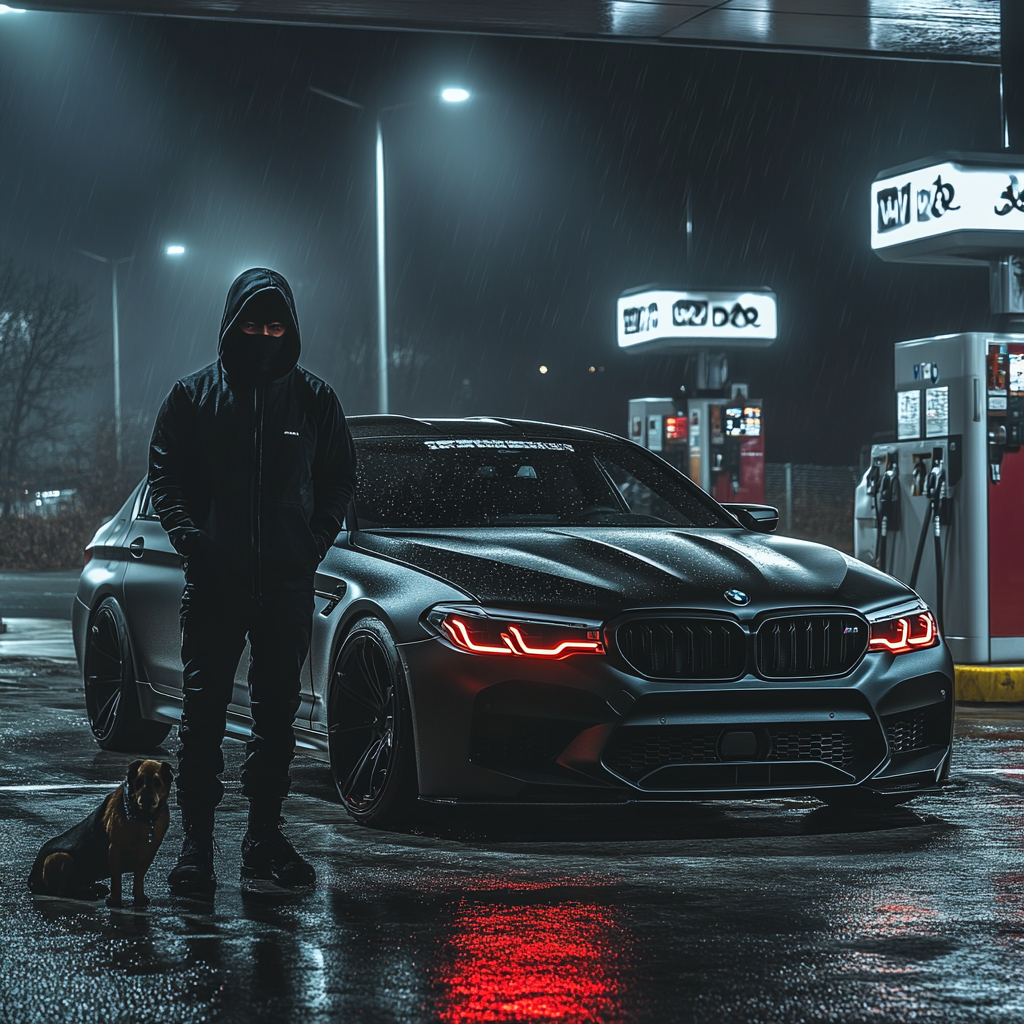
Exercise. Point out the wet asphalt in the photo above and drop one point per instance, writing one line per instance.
(37, 595)
(766, 911)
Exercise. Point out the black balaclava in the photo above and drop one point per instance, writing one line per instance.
(261, 350)
(262, 296)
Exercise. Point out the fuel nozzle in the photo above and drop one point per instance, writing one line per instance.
(874, 478)
(935, 489)
(889, 495)
(887, 503)
(996, 447)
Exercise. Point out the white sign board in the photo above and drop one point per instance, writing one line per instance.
(908, 415)
(666, 319)
(936, 412)
(948, 212)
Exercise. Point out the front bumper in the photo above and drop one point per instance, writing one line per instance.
(583, 729)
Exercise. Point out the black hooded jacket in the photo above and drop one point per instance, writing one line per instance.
(252, 473)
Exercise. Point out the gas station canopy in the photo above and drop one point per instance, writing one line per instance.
(939, 30)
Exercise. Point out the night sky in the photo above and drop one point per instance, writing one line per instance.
(515, 220)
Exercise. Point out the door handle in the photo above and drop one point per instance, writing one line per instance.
(137, 547)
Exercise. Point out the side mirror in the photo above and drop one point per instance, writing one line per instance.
(759, 518)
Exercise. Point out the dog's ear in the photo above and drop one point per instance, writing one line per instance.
(166, 773)
(133, 769)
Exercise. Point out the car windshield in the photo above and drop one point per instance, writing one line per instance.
(409, 482)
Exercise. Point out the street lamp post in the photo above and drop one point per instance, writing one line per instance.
(449, 96)
(114, 264)
(171, 250)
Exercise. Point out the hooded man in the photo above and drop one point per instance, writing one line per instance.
(252, 469)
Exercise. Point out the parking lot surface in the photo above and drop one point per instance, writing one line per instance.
(773, 911)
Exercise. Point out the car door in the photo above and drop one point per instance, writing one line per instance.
(153, 583)
(152, 587)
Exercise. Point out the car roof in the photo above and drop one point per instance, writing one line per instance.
(470, 426)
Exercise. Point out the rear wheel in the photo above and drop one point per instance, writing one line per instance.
(369, 728)
(111, 696)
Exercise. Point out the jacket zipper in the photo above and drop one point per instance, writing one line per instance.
(257, 582)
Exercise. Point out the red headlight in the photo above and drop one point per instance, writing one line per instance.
(907, 633)
(487, 634)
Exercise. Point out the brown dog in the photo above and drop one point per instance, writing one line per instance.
(122, 834)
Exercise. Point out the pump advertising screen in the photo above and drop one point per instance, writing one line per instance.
(949, 211)
(908, 415)
(662, 319)
(936, 412)
(1017, 373)
(743, 421)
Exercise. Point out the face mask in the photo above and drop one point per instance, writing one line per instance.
(261, 352)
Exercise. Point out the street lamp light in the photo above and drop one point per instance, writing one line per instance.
(114, 264)
(450, 95)
(175, 250)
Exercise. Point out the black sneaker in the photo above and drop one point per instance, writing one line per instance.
(273, 859)
(193, 875)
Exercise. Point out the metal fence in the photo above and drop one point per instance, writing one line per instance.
(814, 502)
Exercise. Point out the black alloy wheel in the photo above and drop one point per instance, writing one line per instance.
(111, 696)
(369, 728)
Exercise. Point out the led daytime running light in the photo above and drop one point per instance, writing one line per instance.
(907, 633)
(460, 635)
(594, 646)
(514, 642)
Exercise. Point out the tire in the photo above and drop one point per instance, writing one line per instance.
(369, 728)
(111, 695)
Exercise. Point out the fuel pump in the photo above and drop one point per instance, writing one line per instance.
(887, 508)
(955, 474)
(727, 446)
(660, 427)
(959, 406)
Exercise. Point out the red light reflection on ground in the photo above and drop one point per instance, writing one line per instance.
(550, 962)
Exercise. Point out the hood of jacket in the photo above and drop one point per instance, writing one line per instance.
(235, 347)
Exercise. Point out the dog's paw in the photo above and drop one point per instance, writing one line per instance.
(141, 901)
(114, 902)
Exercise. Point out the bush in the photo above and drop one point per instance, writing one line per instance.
(32, 543)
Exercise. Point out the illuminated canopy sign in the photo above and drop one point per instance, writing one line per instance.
(661, 319)
(956, 208)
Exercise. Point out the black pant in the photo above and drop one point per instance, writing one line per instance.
(214, 623)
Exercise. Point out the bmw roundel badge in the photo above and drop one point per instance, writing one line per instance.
(737, 597)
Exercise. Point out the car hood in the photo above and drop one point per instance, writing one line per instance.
(599, 572)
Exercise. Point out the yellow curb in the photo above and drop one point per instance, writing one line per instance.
(990, 683)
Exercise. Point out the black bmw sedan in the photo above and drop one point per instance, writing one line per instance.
(520, 612)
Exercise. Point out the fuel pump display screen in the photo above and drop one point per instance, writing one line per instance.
(1017, 373)
(743, 422)
(908, 415)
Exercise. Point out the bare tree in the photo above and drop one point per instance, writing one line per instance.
(44, 343)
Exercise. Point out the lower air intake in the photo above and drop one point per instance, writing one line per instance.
(636, 751)
(906, 732)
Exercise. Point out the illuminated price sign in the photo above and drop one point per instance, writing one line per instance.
(662, 319)
(949, 211)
